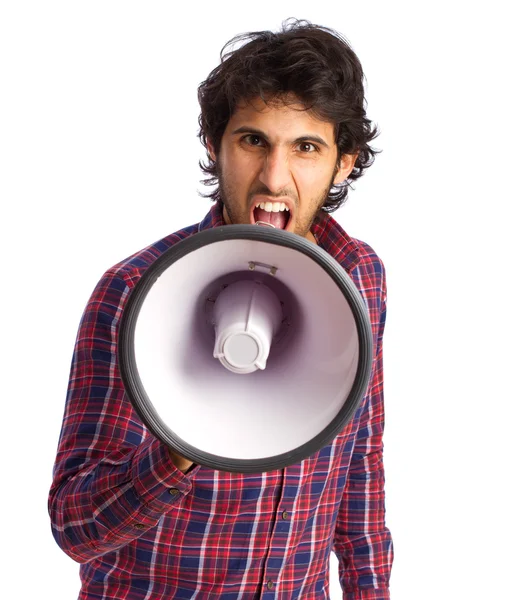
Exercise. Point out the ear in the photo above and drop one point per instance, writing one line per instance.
(347, 162)
(210, 149)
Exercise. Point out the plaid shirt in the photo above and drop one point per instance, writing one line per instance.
(141, 529)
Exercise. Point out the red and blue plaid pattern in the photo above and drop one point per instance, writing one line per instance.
(143, 530)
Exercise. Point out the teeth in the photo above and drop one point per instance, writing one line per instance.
(272, 206)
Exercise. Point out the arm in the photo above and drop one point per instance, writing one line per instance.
(362, 542)
(112, 479)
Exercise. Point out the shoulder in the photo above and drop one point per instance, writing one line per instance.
(370, 279)
(131, 269)
(370, 267)
(115, 285)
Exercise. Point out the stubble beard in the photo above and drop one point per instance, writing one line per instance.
(238, 215)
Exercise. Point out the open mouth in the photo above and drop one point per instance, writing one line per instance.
(273, 214)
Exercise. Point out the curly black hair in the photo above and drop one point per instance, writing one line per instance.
(309, 62)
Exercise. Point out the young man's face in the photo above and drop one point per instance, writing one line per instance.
(278, 155)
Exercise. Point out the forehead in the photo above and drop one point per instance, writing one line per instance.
(279, 119)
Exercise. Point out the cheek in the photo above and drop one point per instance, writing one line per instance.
(244, 179)
(309, 182)
(237, 168)
(236, 184)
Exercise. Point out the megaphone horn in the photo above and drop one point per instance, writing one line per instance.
(245, 349)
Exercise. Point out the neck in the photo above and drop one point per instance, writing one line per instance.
(311, 238)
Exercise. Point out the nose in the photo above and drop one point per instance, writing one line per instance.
(275, 173)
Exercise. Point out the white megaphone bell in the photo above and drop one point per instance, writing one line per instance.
(245, 348)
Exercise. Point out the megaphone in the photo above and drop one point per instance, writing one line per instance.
(245, 349)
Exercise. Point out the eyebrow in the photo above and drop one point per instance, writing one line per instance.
(303, 138)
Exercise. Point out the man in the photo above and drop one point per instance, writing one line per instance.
(283, 121)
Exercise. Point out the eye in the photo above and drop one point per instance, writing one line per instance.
(308, 147)
(252, 139)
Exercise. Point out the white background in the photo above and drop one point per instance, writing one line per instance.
(98, 158)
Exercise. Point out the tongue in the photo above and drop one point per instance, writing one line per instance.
(278, 219)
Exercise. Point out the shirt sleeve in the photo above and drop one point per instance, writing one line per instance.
(112, 479)
(362, 542)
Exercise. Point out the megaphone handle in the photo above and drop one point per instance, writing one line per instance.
(181, 463)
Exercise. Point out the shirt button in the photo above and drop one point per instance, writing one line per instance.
(285, 515)
(174, 492)
(270, 585)
(140, 526)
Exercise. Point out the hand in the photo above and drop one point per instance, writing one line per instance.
(181, 463)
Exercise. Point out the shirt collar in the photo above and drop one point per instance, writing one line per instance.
(329, 235)
(214, 218)
(335, 241)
